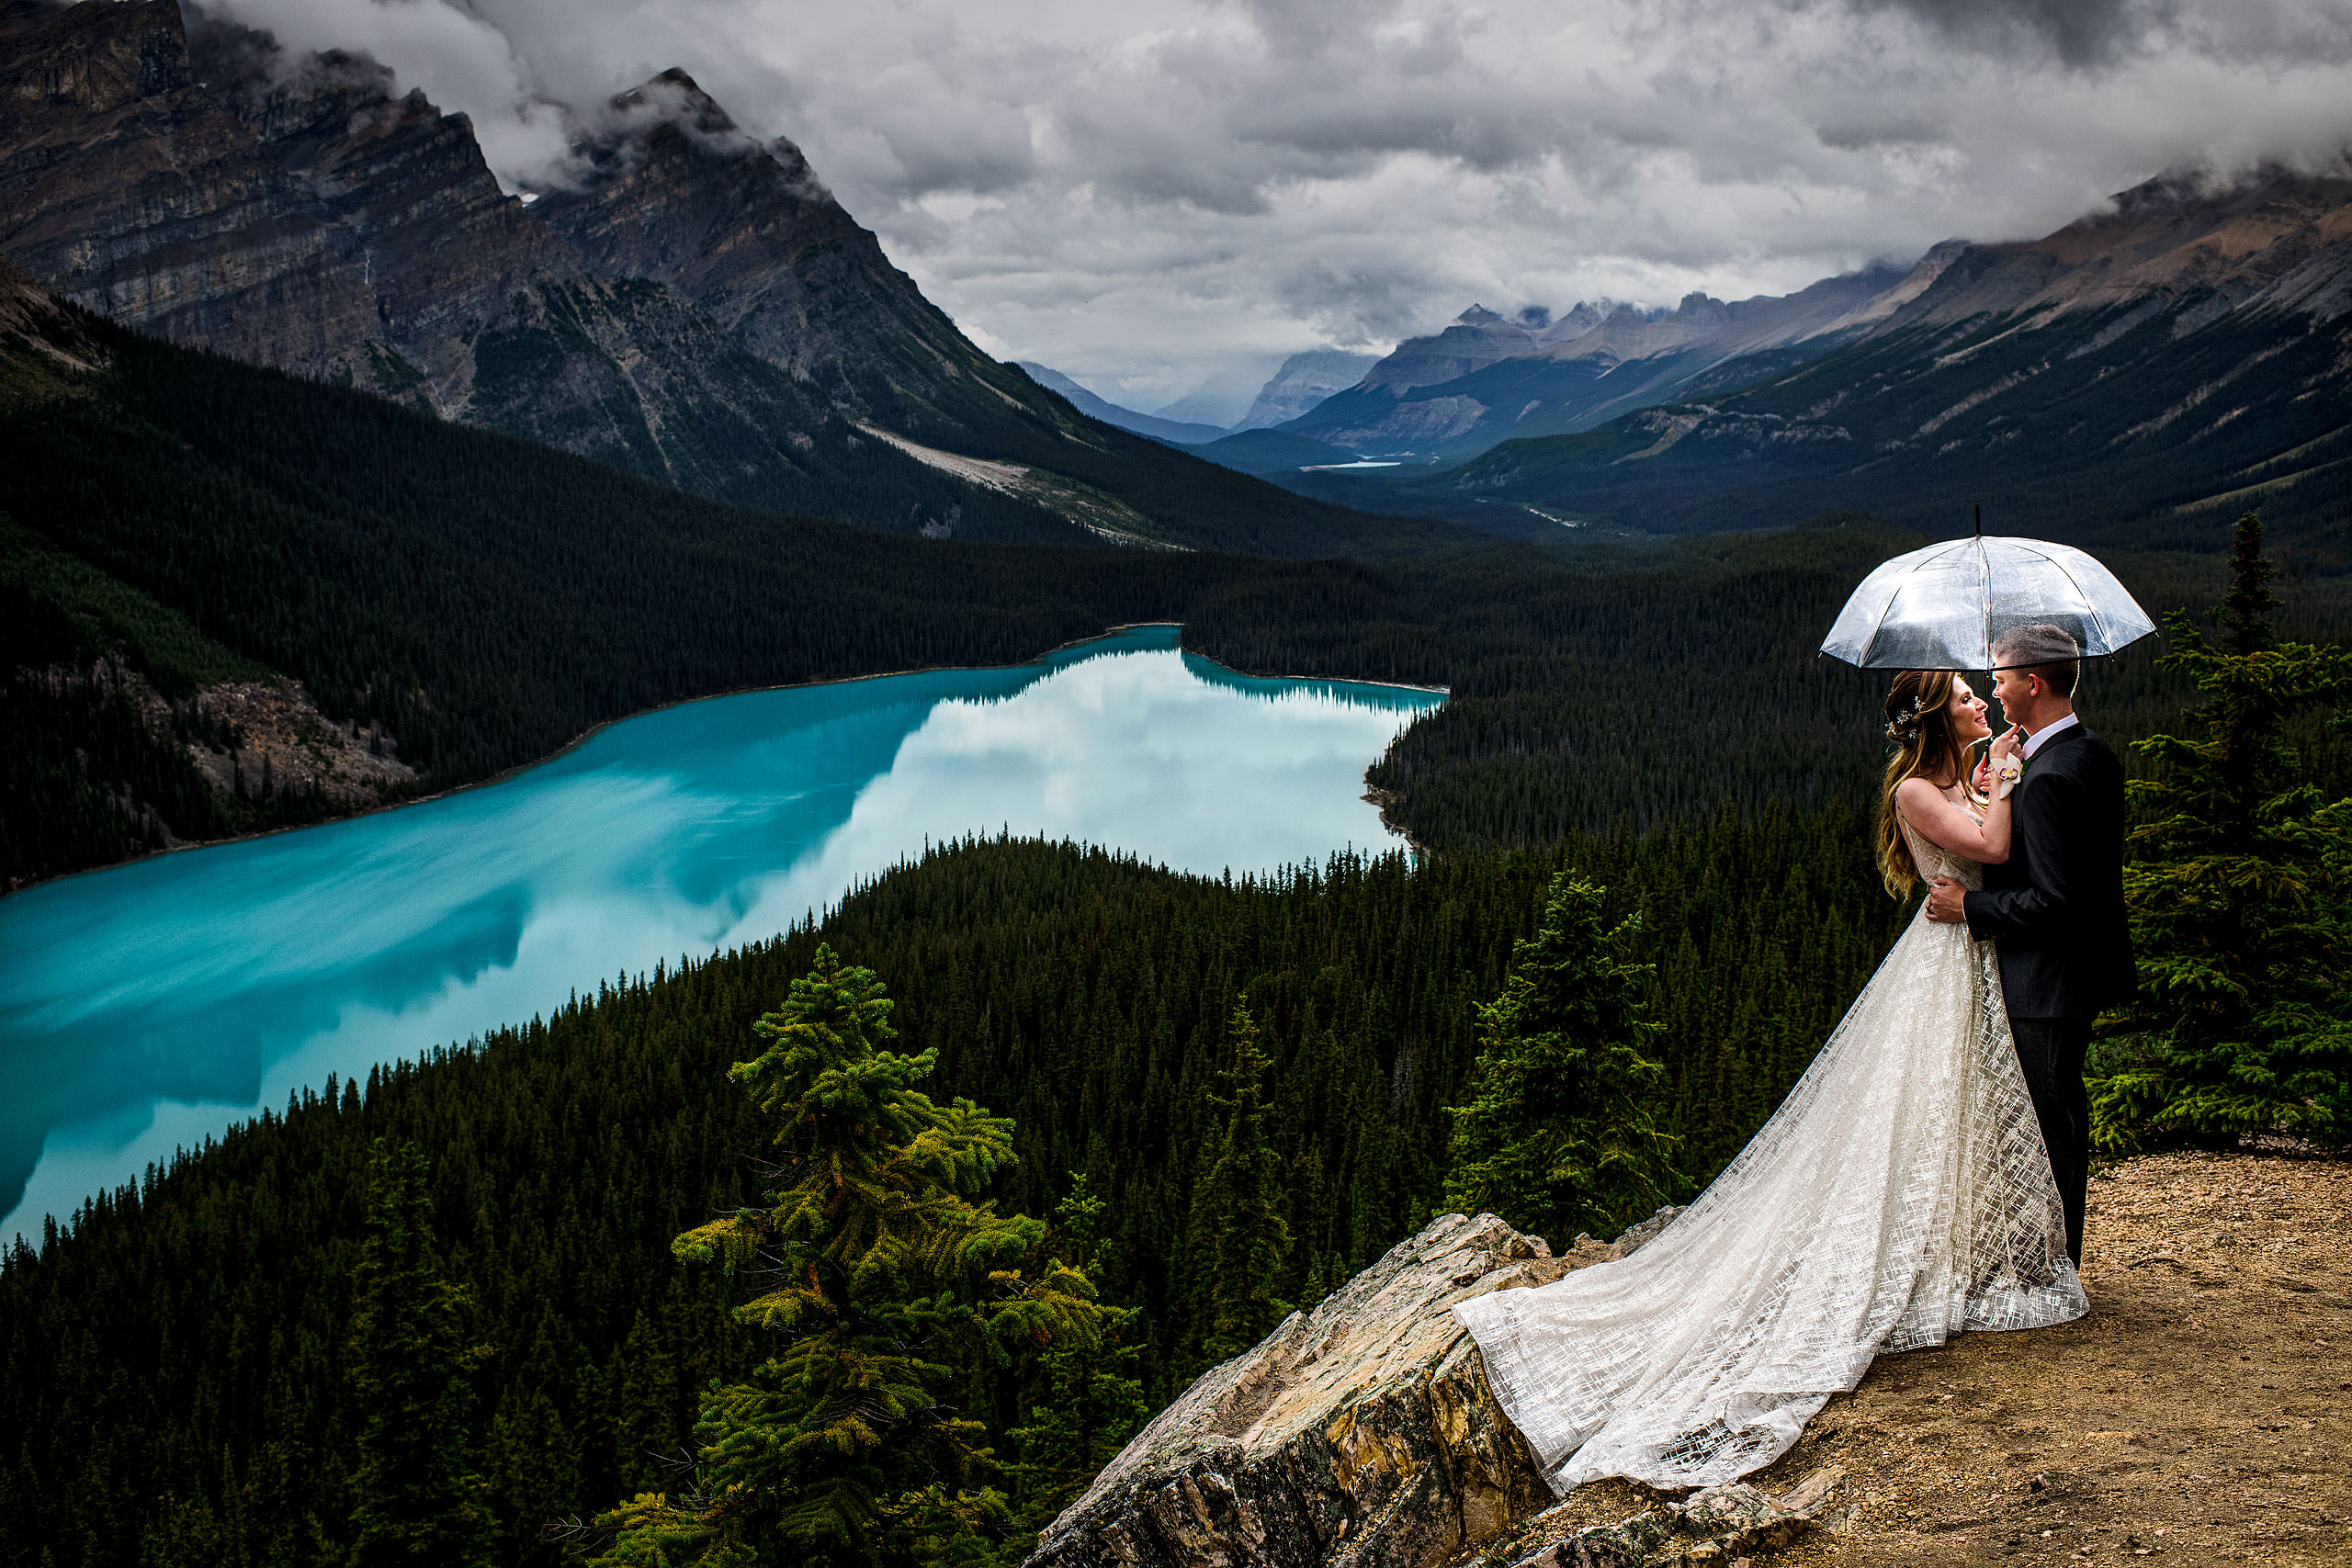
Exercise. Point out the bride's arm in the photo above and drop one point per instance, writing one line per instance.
(1945, 825)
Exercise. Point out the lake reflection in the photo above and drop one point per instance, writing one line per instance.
(146, 1006)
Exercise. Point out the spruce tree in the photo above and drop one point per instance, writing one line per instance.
(1238, 1240)
(419, 1502)
(2240, 897)
(1094, 1400)
(890, 1280)
(1560, 1134)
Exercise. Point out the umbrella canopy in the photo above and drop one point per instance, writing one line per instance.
(1940, 608)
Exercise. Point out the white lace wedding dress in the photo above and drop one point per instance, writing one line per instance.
(1900, 1195)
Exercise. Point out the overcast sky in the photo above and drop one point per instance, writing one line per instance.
(1143, 193)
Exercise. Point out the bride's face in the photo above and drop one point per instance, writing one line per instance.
(1967, 711)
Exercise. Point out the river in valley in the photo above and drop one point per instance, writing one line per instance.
(147, 1006)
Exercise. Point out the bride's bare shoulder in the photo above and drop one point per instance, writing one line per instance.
(1916, 799)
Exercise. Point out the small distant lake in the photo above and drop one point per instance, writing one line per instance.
(146, 1006)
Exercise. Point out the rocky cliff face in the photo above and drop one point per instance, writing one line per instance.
(2281, 241)
(1360, 1433)
(671, 190)
(304, 219)
(697, 317)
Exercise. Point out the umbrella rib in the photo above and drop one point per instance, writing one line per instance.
(2089, 604)
(2097, 615)
(2102, 616)
(1984, 563)
(1870, 643)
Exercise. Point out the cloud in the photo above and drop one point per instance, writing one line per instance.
(1145, 193)
(464, 64)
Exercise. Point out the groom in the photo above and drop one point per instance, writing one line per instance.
(2056, 906)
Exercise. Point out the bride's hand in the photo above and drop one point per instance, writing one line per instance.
(2006, 745)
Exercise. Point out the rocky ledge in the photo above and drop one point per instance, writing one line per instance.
(1362, 1435)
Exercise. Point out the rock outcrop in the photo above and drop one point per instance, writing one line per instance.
(1362, 1433)
(1717, 1527)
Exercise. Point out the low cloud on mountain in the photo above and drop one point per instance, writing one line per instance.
(1146, 193)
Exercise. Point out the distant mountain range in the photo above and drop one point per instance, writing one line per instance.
(693, 308)
(1489, 378)
(1220, 402)
(1303, 380)
(2152, 369)
(1096, 407)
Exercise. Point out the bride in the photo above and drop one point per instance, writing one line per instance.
(1901, 1194)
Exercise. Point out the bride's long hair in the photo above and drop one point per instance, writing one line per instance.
(1919, 720)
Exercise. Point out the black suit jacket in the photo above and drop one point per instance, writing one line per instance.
(2056, 906)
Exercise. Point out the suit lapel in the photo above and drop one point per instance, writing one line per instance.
(2063, 736)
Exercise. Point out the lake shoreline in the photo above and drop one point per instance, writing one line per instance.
(585, 736)
(704, 828)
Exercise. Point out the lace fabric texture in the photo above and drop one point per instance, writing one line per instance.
(1900, 1195)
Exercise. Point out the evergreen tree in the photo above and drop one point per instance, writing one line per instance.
(2240, 905)
(419, 1502)
(892, 1278)
(1560, 1135)
(1095, 1390)
(1239, 1241)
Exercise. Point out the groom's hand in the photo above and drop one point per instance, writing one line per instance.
(1947, 902)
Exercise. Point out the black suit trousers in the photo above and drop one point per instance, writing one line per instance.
(2051, 1050)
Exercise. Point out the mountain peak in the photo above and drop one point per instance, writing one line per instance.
(1303, 380)
(672, 98)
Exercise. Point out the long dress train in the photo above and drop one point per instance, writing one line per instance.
(1901, 1194)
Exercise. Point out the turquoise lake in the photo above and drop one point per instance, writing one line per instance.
(149, 1006)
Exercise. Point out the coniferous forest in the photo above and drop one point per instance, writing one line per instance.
(440, 1318)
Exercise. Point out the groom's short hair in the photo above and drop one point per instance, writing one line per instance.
(2040, 649)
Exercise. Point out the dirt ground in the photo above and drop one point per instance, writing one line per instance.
(2202, 1413)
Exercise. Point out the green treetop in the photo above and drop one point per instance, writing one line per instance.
(1238, 1240)
(419, 1502)
(892, 1280)
(2237, 895)
(1558, 1136)
(1094, 1384)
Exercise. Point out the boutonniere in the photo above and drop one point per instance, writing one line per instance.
(2006, 775)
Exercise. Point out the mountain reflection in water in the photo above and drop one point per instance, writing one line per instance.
(147, 1006)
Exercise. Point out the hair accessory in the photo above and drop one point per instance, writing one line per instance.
(1904, 725)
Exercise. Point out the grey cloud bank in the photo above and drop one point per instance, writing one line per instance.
(1149, 195)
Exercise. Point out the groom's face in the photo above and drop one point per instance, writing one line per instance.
(2017, 691)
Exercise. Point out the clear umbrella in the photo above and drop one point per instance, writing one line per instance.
(1942, 607)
